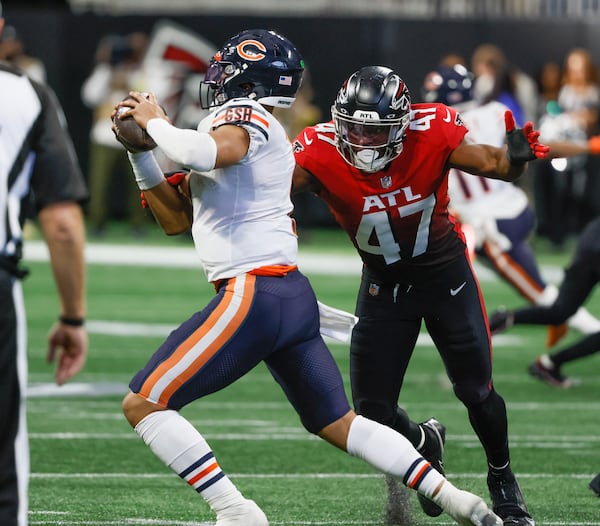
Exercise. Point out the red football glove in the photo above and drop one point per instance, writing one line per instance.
(173, 178)
(523, 142)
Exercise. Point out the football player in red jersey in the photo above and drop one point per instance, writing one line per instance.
(381, 165)
(235, 198)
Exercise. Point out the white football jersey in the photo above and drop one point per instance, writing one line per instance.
(473, 196)
(242, 213)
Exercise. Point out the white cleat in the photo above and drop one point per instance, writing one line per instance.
(468, 509)
(247, 513)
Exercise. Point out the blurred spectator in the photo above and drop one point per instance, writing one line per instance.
(12, 50)
(549, 82)
(568, 191)
(548, 182)
(579, 95)
(498, 79)
(117, 71)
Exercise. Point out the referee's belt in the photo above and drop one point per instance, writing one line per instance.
(11, 265)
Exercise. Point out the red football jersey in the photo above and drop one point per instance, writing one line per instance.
(398, 217)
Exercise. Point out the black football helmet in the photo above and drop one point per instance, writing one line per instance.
(258, 64)
(370, 115)
(448, 85)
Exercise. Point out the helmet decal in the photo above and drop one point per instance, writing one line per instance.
(257, 64)
(250, 54)
(400, 101)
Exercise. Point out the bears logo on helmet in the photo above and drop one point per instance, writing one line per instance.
(258, 64)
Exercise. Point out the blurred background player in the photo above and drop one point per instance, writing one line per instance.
(38, 166)
(116, 72)
(381, 166)
(498, 212)
(581, 277)
(236, 200)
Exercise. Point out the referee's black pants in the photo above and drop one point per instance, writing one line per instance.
(14, 451)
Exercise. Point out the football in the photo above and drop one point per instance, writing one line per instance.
(130, 134)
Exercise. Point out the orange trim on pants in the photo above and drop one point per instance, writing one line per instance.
(210, 349)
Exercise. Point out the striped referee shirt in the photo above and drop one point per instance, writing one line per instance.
(38, 165)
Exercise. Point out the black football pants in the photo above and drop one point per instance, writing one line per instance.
(14, 454)
(390, 315)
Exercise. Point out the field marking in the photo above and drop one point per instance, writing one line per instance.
(162, 522)
(566, 443)
(302, 476)
(185, 257)
(137, 329)
(146, 522)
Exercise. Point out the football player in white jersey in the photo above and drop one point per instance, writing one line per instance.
(498, 212)
(236, 199)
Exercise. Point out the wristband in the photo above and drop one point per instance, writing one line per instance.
(73, 322)
(146, 169)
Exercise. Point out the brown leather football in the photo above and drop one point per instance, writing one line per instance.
(131, 135)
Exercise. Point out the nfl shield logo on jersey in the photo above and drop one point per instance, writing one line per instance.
(373, 289)
(386, 181)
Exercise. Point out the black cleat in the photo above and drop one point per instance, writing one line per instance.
(545, 370)
(500, 321)
(507, 500)
(436, 433)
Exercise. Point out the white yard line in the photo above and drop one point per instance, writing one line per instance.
(185, 257)
(296, 476)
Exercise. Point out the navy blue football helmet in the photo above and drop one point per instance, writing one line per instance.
(258, 64)
(371, 114)
(448, 85)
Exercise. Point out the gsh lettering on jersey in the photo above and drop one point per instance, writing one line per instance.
(238, 113)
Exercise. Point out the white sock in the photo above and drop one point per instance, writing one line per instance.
(584, 322)
(547, 296)
(182, 448)
(393, 454)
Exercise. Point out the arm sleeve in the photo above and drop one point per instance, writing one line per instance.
(190, 148)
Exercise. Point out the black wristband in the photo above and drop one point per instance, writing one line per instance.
(73, 322)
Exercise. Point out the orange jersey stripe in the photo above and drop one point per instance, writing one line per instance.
(258, 118)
